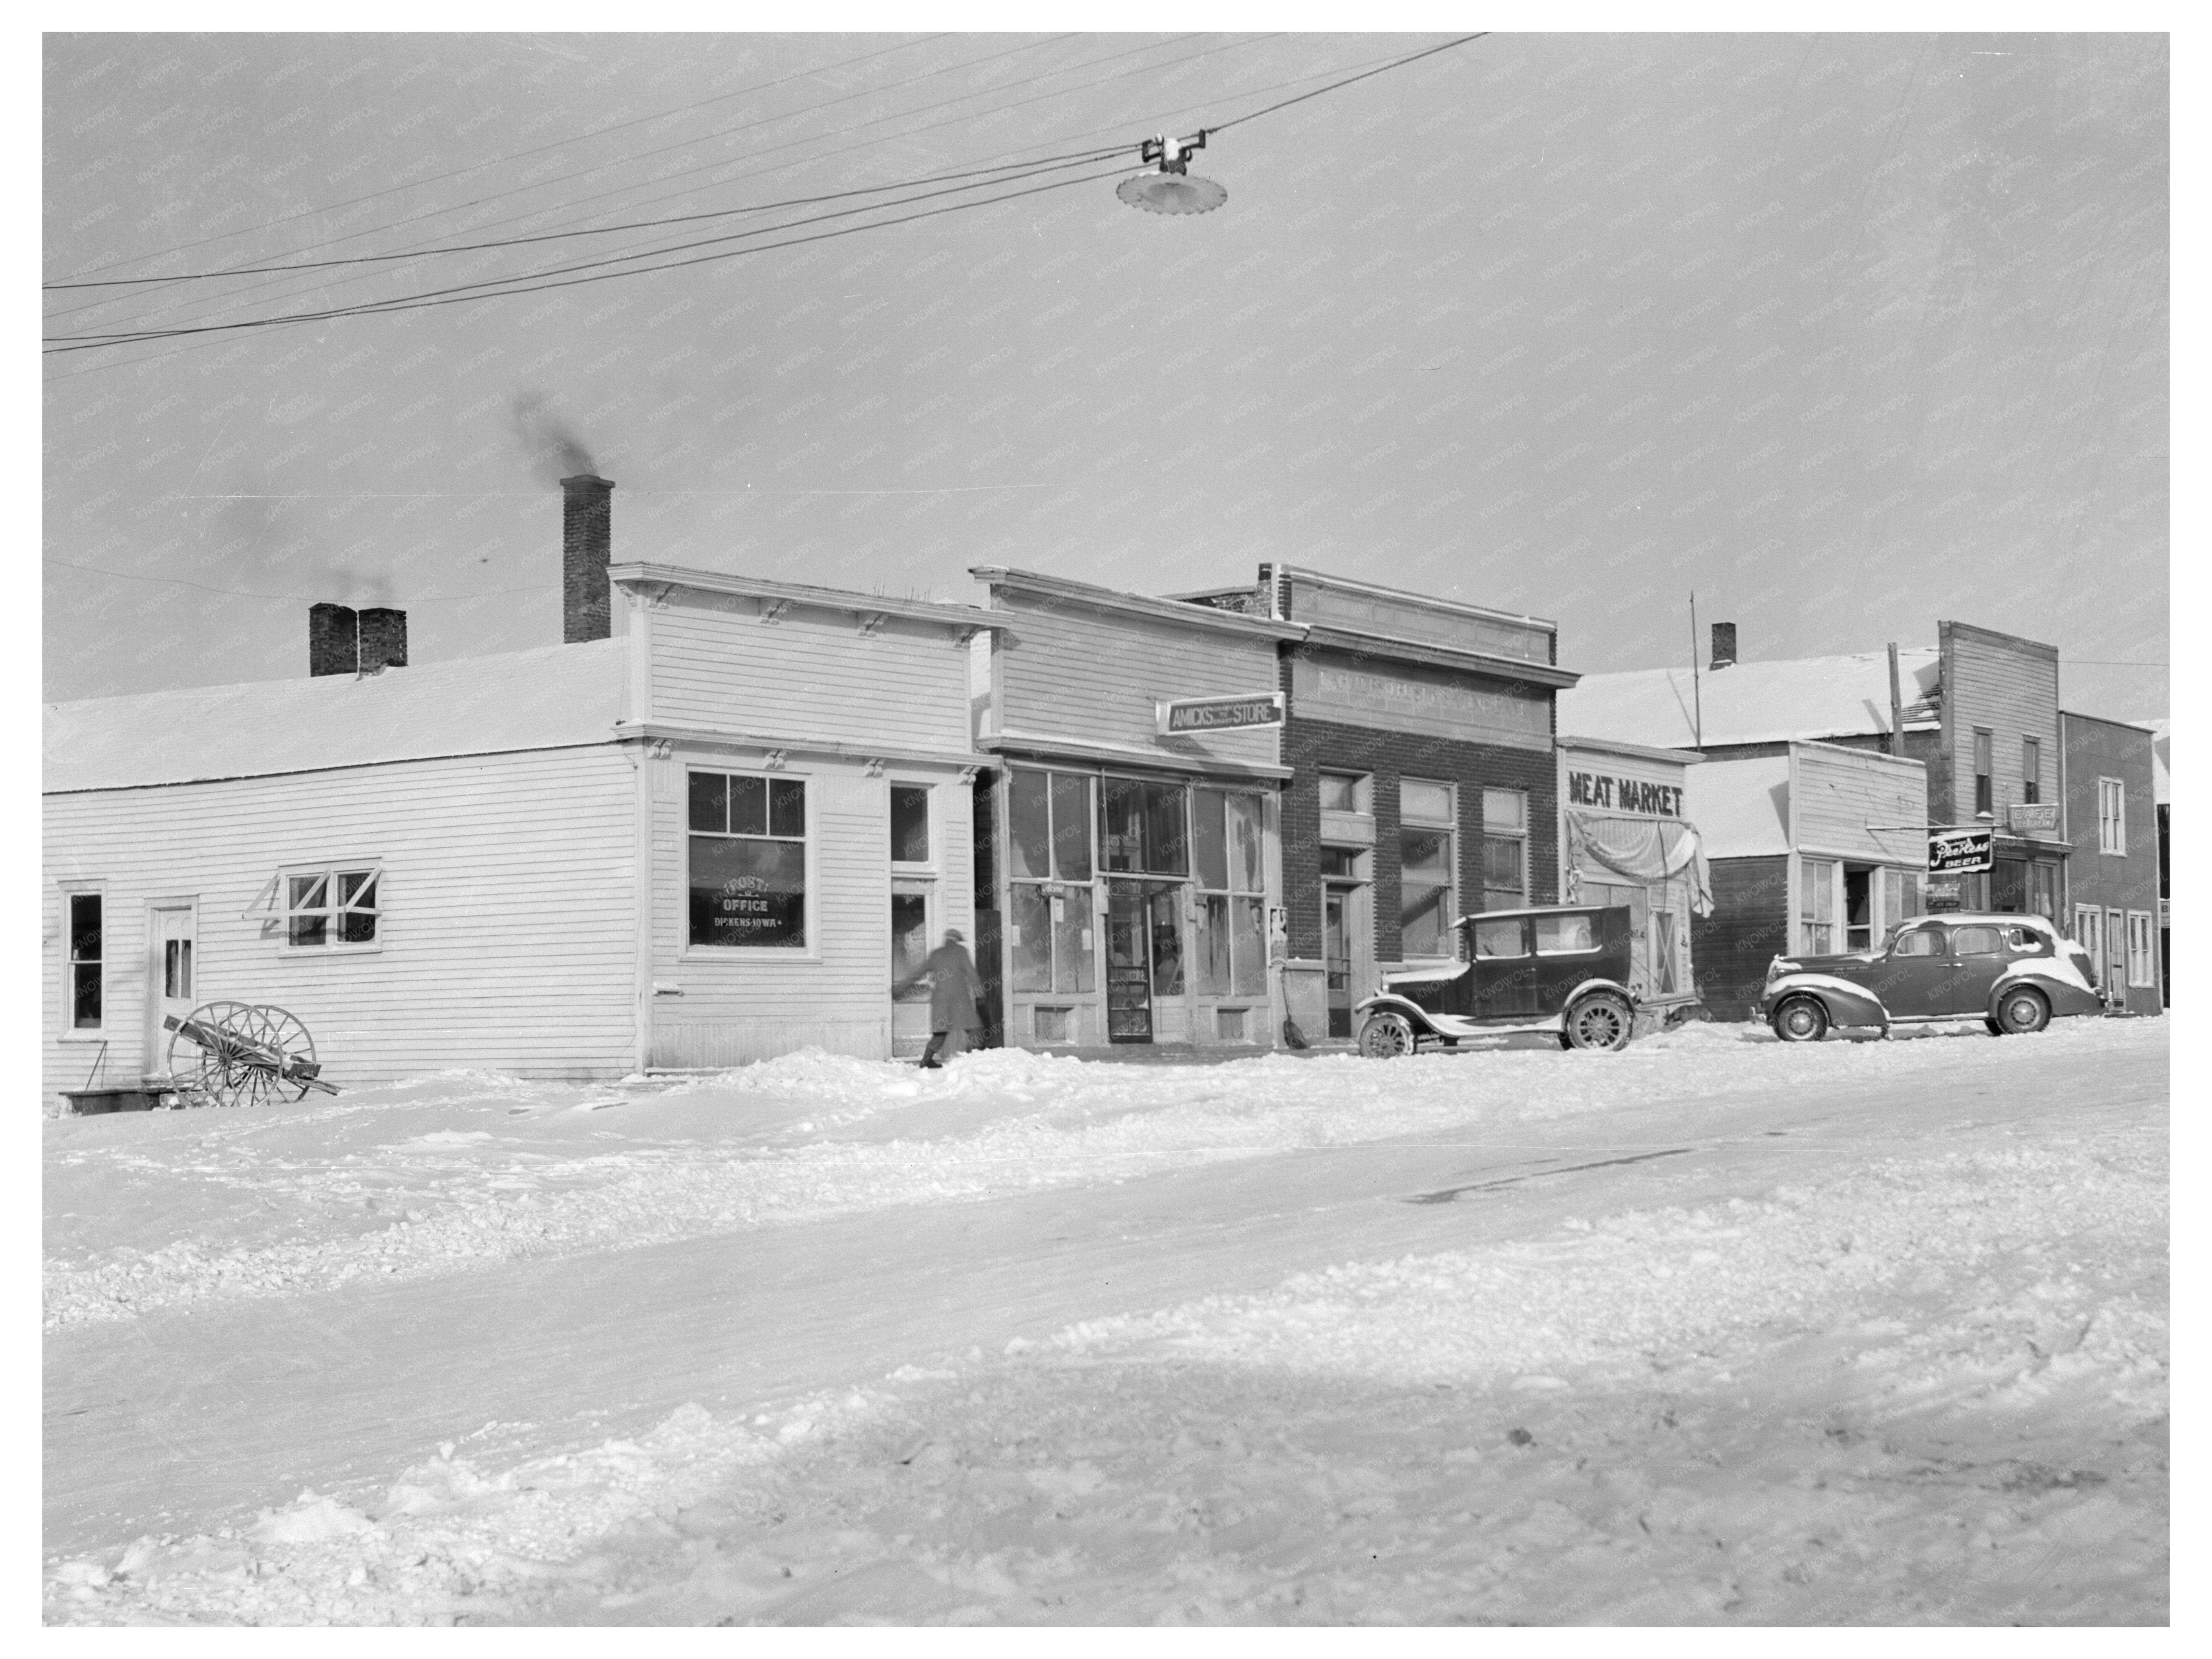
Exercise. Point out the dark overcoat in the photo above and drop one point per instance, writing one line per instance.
(953, 987)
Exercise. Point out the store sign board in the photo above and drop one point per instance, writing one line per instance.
(1409, 697)
(1622, 794)
(1960, 851)
(1941, 894)
(2032, 819)
(1189, 715)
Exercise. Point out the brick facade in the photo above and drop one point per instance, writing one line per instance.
(1309, 746)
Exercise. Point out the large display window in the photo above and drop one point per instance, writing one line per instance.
(747, 861)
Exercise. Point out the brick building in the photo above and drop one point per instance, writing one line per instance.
(1423, 784)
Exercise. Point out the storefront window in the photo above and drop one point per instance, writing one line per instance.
(1144, 828)
(1051, 900)
(1426, 912)
(1230, 952)
(748, 846)
(1505, 849)
(2043, 889)
(1816, 907)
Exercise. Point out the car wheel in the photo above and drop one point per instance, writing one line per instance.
(1801, 1019)
(1600, 1020)
(2021, 1010)
(1386, 1036)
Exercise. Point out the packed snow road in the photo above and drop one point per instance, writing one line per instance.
(1713, 1329)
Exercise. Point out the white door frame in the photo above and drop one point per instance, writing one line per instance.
(156, 1001)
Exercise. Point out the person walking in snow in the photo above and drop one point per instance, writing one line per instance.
(954, 987)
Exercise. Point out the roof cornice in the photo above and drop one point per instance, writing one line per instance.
(1133, 604)
(1438, 656)
(800, 594)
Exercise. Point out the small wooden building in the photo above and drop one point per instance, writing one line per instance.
(722, 830)
(1819, 849)
(1625, 837)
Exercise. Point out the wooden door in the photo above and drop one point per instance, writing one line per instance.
(172, 935)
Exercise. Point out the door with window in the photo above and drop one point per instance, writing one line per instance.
(2115, 956)
(1144, 955)
(172, 932)
(2089, 933)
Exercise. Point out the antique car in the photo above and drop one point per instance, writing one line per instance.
(1560, 969)
(2016, 973)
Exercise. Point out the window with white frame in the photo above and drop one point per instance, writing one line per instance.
(2142, 965)
(86, 984)
(2111, 815)
(1231, 933)
(1049, 869)
(1816, 907)
(1505, 849)
(747, 861)
(332, 908)
(913, 883)
(2031, 769)
(1427, 817)
(1984, 770)
(2089, 931)
(910, 824)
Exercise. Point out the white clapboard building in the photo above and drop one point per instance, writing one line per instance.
(717, 824)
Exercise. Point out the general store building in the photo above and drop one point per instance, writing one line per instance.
(1423, 786)
(1134, 828)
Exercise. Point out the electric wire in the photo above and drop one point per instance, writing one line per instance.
(389, 307)
(413, 302)
(515, 155)
(511, 286)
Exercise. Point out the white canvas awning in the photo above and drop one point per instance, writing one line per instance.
(1645, 850)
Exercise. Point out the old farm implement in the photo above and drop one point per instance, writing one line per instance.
(239, 1053)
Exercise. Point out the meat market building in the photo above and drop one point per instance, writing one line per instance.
(1625, 837)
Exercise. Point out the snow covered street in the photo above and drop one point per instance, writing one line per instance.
(1713, 1330)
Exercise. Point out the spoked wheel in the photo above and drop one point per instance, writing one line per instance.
(1600, 1020)
(1387, 1036)
(233, 1054)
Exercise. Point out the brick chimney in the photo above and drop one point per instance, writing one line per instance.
(383, 639)
(334, 640)
(1724, 645)
(586, 539)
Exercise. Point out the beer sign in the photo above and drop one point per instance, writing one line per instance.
(1960, 851)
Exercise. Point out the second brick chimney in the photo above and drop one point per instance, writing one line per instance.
(1724, 645)
(383, 639)
(586, 540)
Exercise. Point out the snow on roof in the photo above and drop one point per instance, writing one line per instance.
(1800, 697)
(1742, 807)
(551, 697)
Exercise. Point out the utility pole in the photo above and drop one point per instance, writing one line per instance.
(1896, 706)
(1696, 685)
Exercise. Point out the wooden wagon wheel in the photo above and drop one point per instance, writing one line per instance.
(237, 1054)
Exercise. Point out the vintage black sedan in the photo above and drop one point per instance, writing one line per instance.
(2014, 973)
(1560, 969)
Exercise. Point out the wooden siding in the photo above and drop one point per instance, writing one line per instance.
(1749, 928)
(1836, 794)
(809, 673)
(507, 936)
(1095, 676)
(2009, 686)
(711, 1007)
(2096, 749)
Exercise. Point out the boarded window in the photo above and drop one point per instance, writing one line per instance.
(324, 907)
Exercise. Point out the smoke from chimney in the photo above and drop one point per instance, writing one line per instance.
(1723, 644)
(334, 640)
(587, 544)
(552, 446)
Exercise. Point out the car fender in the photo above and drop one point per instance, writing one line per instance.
(2057, 978)
(1847, 1004)
(1590, 984)
(1414, 1013)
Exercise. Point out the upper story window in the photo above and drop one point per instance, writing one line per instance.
(910, 823)
(748, 861)
(331, 907)
(1428, 821)
(2111, 815)
(1505, 849)
(1344, 792)
(1984, 779)
(85, 947)
(2031, 769)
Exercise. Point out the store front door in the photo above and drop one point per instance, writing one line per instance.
(1144, 958)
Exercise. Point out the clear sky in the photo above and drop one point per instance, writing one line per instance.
(1846, 332)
